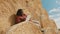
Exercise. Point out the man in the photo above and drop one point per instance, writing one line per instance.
(20, 16)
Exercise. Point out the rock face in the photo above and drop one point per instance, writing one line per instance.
(8, 9)
(58, 32)
(47, 24)
(24, 28)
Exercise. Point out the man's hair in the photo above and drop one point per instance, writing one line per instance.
(19, 12)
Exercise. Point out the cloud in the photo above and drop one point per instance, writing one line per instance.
(55, 10)
(55, 14)
(58, 2)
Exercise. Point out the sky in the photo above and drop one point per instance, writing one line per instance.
(53, 9)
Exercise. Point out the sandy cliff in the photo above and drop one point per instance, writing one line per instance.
(8, 9)
(24, 28)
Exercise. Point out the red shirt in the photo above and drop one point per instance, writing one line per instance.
(21, 18)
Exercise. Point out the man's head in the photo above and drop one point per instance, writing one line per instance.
(19, 12)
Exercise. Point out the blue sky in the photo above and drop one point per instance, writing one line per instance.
(53, 9)
(48, 4)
